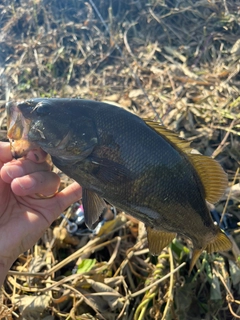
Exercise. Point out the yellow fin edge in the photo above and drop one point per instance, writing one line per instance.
(209, 171)
(212, 176)
(220, 243)
(158, 240)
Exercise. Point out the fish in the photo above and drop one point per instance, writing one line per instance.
(135, 164)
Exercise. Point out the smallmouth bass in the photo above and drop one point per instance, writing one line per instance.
(137, 165)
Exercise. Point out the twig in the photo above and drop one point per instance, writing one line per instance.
(221, 145)
(229, 195)
(170, 290)
(135, 294)
(127, 63)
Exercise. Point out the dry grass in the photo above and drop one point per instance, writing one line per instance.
(175, 59)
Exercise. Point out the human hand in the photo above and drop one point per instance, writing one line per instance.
(23, 215)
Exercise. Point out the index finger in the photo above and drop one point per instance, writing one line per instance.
(38, 156)
(5, 152)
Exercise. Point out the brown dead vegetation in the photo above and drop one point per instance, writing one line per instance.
(176, 61)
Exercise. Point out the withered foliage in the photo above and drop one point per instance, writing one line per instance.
(177, 61)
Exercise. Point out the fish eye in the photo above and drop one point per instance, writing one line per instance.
(43, 110)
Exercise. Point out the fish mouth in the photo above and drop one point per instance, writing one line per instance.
(17, 133)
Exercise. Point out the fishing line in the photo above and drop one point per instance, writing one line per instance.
(127, 63)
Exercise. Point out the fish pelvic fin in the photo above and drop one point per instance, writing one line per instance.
(220, 243)
(158, 240)
(209, 171)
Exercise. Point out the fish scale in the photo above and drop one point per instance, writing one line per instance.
(155, 185)
(137, 165)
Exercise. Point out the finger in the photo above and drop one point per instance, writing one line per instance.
(45, 183)
(5, 152)
(21, 167)
(66, 197)
(37, 155)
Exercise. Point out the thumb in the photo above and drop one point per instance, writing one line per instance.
(66, 197)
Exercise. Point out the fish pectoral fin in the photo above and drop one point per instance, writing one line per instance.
(93, 206)
(212, 175)
(158, 240)
(109, 171)
(220, 243)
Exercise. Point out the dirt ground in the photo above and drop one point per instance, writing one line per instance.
(172, 61)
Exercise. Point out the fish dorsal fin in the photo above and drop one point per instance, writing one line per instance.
(212, 175)
(210, 172)
(158, 240)
(169, 135)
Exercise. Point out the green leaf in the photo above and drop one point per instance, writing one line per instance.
(179, 249)
(235, 273)
(215, 292)
(86, 265)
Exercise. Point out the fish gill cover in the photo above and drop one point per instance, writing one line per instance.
(175, 59)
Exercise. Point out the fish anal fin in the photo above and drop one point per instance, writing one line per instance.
(220, 243)
(158, 240)
(93, 206)
(212, 176)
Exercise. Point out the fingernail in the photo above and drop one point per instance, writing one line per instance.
(33, 156)
(14, 171)
(27, 183)
(36, 157)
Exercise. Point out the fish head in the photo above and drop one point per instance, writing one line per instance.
(50, 125)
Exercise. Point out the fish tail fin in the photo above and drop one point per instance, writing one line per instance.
(196, 254)
(220, 243)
